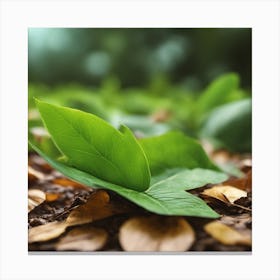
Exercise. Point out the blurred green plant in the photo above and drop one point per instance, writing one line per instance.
(193, 56)
(230, 126)
(221, 113)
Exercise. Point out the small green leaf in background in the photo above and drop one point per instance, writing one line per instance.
(230, 126)
(217, 93)
(223, 90)
(166, 197)
(142, 125)
(174, 149)
(92, 145)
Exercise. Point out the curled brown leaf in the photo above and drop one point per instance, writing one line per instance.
(227, 194)
(244, 183)
(96, 208)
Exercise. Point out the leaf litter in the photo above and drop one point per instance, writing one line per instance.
(97, 207)
(67, 198)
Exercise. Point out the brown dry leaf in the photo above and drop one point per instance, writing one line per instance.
(244, 183)
(50, 197)
(35, 198)
(67, 182)
(34, 175)
(85, 238)
(225, 193)
(46, 232)
(156, 233)
(97, 207)
(226, 235)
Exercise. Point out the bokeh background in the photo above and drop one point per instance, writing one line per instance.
(197, 80)
(191, 57)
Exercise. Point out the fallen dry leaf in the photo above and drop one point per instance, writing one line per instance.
(85, 238)
(35, 198)
(244, 183)
(96, 208)
(46, 232)
(156, 233)
(50, 197)
(67, 182)
(225, 193)
(34, 175)
(226, 235)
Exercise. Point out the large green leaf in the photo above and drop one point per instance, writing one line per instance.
(166, 197)
(92, 145)
(173, 150)
(230, 126)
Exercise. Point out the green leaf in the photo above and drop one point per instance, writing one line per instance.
(217, 93)
(166, 197)
(187, 179)
(141, 125)
(92, 145)
(173, 150)
(230, 126)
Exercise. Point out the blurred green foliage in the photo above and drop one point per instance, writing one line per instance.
(229, 126)
(197, 80)
(188, 56)
(223, 120)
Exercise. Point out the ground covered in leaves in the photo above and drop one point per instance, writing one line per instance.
(66, 216)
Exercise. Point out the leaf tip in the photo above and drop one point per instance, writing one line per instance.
(123, 128)
(36, 100)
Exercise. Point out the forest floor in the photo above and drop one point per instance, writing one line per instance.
(64, 215)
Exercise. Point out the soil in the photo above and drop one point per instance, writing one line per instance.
(68, 195)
